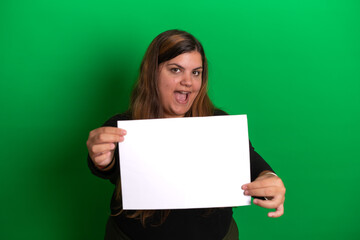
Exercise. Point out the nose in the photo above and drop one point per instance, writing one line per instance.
(186, 80)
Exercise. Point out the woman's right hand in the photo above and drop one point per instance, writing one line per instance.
(101, 145)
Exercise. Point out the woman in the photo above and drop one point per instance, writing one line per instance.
(173, 83)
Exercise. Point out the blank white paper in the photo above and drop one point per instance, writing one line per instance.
(176, 163)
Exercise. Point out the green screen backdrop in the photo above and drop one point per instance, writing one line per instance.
(292, 66)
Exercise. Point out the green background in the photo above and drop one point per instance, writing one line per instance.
(293, 66)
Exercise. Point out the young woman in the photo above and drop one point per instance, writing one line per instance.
(173, 83)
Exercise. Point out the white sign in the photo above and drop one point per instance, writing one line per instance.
(195, 162)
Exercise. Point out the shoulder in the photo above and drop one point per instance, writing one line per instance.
(219, 112)
(112, 122)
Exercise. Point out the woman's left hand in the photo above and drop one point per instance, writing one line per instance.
(272, 188)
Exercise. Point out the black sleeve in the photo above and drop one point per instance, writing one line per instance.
(257, 163)
(114, 173)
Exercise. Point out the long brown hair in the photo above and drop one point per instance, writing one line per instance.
(145, 102)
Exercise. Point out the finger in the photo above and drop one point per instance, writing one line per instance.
(263, 192)
(103, 159)
(278, 213)
(114, 130)
(110, 130)
(107, 138)
(263, 183)
(274, 203)
(100, 148)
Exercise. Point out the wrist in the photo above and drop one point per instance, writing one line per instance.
(108, 166)
(270, 173)
(267, 172)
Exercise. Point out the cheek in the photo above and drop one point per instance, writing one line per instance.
(166, 83)
(166, 89)
(163, 86)
(196, 90)
(198, 85)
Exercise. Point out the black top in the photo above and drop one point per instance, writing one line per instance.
(181, 223)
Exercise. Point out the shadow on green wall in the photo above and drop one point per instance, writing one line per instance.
(80, 201)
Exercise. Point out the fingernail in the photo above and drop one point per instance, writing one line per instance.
(124, 132)
(243, 187)
(246, 192)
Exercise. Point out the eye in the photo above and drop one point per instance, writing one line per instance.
(175, 70)
(196, 73)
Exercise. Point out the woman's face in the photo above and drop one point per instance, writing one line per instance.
(179, 83)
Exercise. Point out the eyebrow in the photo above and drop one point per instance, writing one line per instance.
(183, 67)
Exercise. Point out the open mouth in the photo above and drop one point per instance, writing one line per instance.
(182, 97)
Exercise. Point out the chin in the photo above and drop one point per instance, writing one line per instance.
(177, 113)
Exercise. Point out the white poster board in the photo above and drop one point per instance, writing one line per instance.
(176, 163)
